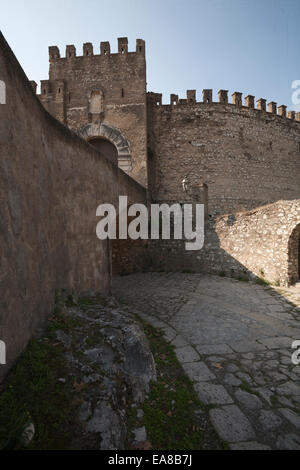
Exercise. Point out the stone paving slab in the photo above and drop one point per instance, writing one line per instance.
(269, 420)
(249, 446)
(187, 354)
(209, 349)
(212, 394)
(198, 371)
(234, 341)
(231, 424)
(291, 416)
(248, 400)
(247, 346)
(276, 342)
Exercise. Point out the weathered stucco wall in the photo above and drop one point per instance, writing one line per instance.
(247, 157)
(52, 182)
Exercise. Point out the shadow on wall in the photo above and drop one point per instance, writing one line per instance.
(106, 148)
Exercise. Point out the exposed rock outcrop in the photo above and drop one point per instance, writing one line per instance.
(109, 354)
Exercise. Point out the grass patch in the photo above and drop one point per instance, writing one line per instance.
(87, 300)
(261, 281)
(274, 400)
(246, 387)
(32, 393)
(173, 415)
(61, 322)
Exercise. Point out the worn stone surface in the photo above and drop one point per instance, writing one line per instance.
(248, 400)
(197, 371)
(269, 420)
(288, 442)
(249, 446)
(187, 354)
(293, 417)
(140, 434)
(212, 394)
(255, 389)
(231, 424)
(109, 341)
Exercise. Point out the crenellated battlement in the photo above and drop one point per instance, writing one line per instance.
(93, 89)
(102, 95)
(237, 100)
(105, 50)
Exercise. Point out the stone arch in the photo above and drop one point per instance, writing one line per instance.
(294, 255)
(114, 135)
(106, 148)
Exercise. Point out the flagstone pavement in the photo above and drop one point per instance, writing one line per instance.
(234, 339)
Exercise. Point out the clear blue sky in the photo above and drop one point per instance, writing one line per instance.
(252, 46)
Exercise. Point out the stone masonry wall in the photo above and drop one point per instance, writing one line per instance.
(52, 182)
(247, 157)
(265, 241)
(107, 89)
(260, 243)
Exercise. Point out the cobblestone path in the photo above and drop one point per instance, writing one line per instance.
(234, 340)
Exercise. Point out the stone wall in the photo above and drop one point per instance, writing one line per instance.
(265, 241)
(102, 95)
(247, 157)
(260, 243)
(245, 162)
(52, 182)
(129, 256)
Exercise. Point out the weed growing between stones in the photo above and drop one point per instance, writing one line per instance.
(173, 415)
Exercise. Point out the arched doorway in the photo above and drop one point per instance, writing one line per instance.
(294, 255)
(106, 148)
(94, 130)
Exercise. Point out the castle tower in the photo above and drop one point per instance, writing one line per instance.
(102, 97)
